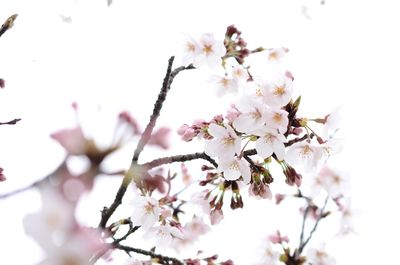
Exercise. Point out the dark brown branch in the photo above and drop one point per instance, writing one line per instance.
(12, 122)
(170, 75)
(179, 158)
(156, 112)
(165, 259)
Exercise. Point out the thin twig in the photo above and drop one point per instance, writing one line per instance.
(315, 226)
(179, 158)
(12, 122)
(149, 253)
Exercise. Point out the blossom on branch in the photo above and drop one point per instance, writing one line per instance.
(146, 211)
(225, 143)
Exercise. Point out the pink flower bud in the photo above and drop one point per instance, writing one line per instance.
(2, 83)
(2, 177)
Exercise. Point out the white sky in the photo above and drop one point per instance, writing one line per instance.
(345, 54)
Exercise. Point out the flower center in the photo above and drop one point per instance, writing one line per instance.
(279, 90)
(207, 49)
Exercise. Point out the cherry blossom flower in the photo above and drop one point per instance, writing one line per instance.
(191, 50)
(192, 231)
(234, 168)
(164, 235)
(53, 223)
(224, 84)
(211, 51)
(253, 115)
(278, 92)
(269, 142)
(275, 55)
(320, 257)
(277, 119)
(304, 154)
(268, 254)
(201, 200)
(146, 211)
(240, 74)
(334, 182)
(225, 143)
(187, 133)
(232, 113)
(346, 220)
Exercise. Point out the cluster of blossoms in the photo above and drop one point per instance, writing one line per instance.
(261, 127)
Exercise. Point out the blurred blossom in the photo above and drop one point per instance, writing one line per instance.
(320, 257)
(164, 235)
(304, 154)
(160, 138)
(2, 177)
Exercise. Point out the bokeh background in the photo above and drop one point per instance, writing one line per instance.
(342, 53)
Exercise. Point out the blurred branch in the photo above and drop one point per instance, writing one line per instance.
(8, 24)
(12, 122)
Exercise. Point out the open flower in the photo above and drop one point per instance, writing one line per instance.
(277, 119)
(225, 142)
(164, 235)
(305, 154)
(270, 141)
(253, 115)
(211, 51)
(234, 168)
(278, 92)
(320, 257)
(146, 211)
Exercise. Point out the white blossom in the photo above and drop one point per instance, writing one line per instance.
(146, 211)
(277, 119)
(270, 141)
(304, 154)
(224, 84)
(164, 235)
(233, 168)
(278, 92)
(211, 51)
(320, 257)
(225, 142)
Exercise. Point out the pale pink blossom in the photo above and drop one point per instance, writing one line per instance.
(54, 222)
(304, 154)
(347, 215)
(269, 142)
(240, 74)
(164, 235)
(232, 113)
(225, 143)
(275, 55)
(277, 93)
(335, 182)
(191, 50)
(277, 119)
(234, 168)
(146, 211)
(211, 51)
(187, 133)
(224, 84)
(320, 257)
(267, 254)
(253, 115)
(126, 117)
(201, 200)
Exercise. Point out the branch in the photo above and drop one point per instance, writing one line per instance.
(169, 77)
(179, 158)
(12, 122)
(7, 24)
(303, 244)
(166, 259)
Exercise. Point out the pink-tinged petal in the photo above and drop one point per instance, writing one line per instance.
(245, 171)
(128, 118)
(216, 216)
(160, 138)
(216, 130)
(211, 147)
(246, 123)
(73, 140)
